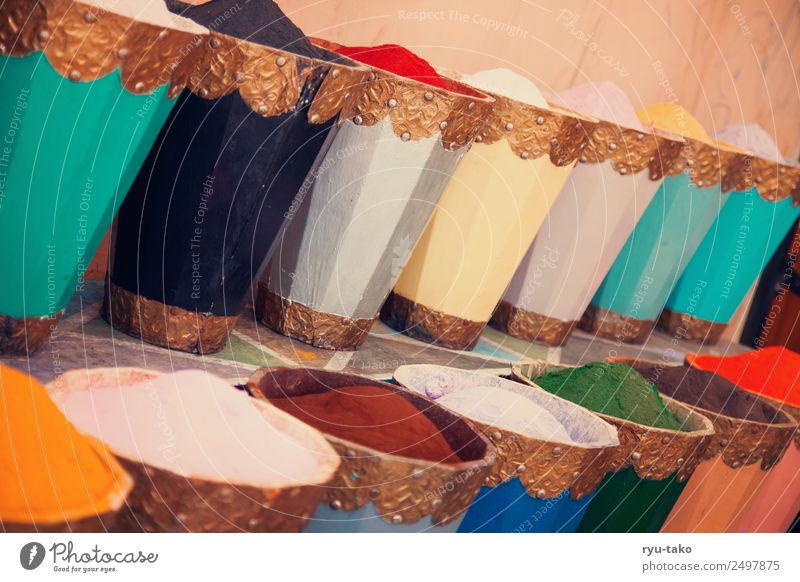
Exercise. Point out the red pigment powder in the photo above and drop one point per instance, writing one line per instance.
(772, 372)
(401, 61)
(374, 417)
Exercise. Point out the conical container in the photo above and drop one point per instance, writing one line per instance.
(778, 501)
(650, 471)
(739, 244)
(375, 490)
(620, 170)
(213, 194)
(86, 87)
(164, 501)
(536, 484)
(630, 299)
(364, 206)
(486, 220)
(737, 461)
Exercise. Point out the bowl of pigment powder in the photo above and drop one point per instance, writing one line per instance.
(534, 421)
(658, 435)
(661, 441)
(407, 464)
(54, 479)
(747, 428)
(552, 447)
(205, 456)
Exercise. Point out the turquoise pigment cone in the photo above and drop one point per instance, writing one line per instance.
(628, 302)
(736, 248)
(80, 123)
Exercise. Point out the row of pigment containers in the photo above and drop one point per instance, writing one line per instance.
(350, 182)
(613, 446)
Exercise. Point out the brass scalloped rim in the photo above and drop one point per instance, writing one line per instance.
(731, 434)
(630, 150)
(269, 80)
(418, 110)
(532, 131)
(635, 437)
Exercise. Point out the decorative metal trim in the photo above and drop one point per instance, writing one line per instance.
(417, 110)
(428, 325)
(165, 325)
(629, 151)
(689, 327)
(615, 326)
(298, 321)
(739, 442)
(533, 132)
(84, 43)
(531, 326)
(24, 336)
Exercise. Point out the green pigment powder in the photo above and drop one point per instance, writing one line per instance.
(613, 389)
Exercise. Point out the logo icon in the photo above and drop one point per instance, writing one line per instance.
(31, 555)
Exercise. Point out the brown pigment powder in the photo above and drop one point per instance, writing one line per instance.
(708, 391)
(374, 417)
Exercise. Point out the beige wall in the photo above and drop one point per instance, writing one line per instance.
(726, 61)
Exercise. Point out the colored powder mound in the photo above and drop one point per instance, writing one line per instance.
(708, 391)
(508, 84)
(772, 372)
(150, 11)
(257, 21)
(752, 138)
(49, 472)
(395, 59)
(674, 118)
(612, 389)
(603, 100)
(507, 410)
(373, 417)
(195, 425)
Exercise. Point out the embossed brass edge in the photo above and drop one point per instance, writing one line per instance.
(165, 325)
(531, 326)
(654, 453)
(689, 327)
(739, 442)
(298, 321)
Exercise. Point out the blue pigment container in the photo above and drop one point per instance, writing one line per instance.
(522, 513)
(537, 484)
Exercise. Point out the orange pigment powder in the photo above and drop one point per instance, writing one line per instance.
(49, 472)
(772, 372)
